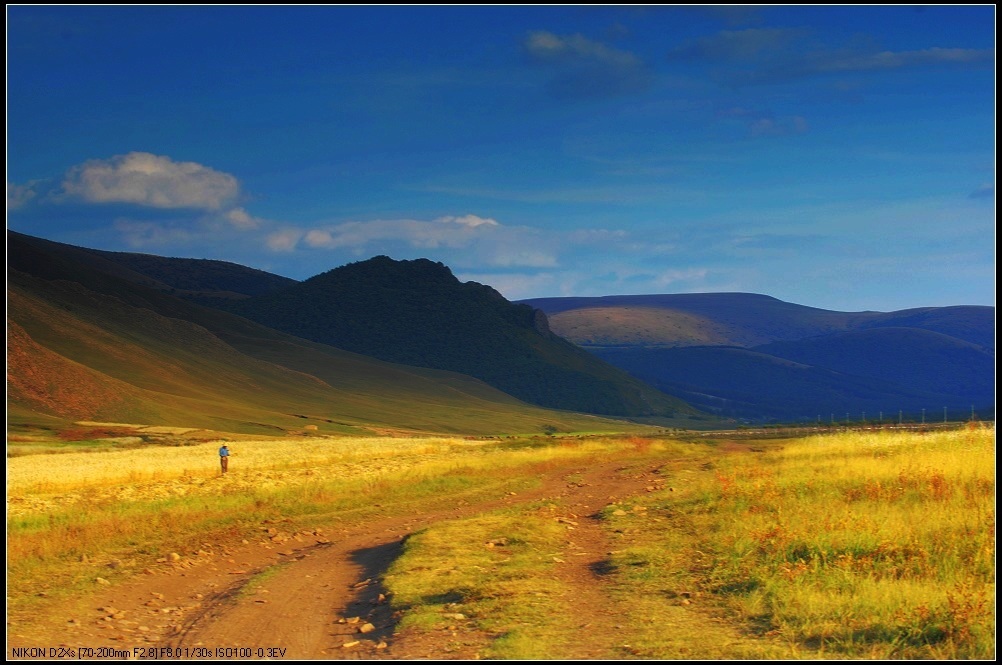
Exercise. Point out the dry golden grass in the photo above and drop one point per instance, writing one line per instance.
(36, 483)
(852, 545)
(139, 504)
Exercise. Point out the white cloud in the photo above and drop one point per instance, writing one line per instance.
(441, 232)
(516, 286)
(151, 180)
(241, 219)
(471, 221)
(464, 239)
(598, 279)
(140, 234)
(284, 240)
(19, 195)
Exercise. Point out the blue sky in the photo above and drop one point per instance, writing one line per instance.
(841, 157)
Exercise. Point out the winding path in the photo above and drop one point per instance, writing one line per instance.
(306, 595)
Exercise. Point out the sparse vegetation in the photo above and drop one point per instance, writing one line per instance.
(848, 545)
(851, 545)
(495, 570)
(80, 510)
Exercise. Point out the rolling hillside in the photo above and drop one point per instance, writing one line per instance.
(199, 280)
(739, 319)
(921, 359)
(89, 345)
(690, 319)
(734, 382)
(756, 357)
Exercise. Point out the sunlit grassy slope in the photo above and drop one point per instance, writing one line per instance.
(139, 354)
(637, 326)
(857, 545)
(872, 545)
(740, 319)
(78, 354)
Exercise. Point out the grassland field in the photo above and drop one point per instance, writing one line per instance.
(845, 545)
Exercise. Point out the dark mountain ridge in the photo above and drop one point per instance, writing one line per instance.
(205, 281)
(737, 354)
(418, 313)
(90, 344)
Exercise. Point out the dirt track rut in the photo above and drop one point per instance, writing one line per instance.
(306, 597)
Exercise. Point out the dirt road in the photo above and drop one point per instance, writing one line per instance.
(306, 595)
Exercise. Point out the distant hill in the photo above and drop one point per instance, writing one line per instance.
(418, 313)
(200, 280)
(969, 323)
(756, 357)
(740, 319)
(90, 339)
(917, 358)
(689, 319)
(743, 383)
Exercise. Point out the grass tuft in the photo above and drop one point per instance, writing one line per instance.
(850, 545)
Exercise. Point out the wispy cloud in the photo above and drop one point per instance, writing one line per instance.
(761, 123)
(612, 194)
(161, 202)
(142, 234)
(441, 232)
(283, 240)
(780, 242)
(239, 218)
(146, 179)
(462, 241)
(583, 68)
(898, 59)
(984, 191)
(778, 126)
(772, 55)
(738, 45)
(608, 278)
(183, 228)
(521, 260)
(19, 195)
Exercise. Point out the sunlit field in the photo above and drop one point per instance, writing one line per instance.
(870, 545)
(875, 544)
(155, 472)
(69, 513)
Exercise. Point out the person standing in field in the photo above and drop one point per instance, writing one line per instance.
(224, 458)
